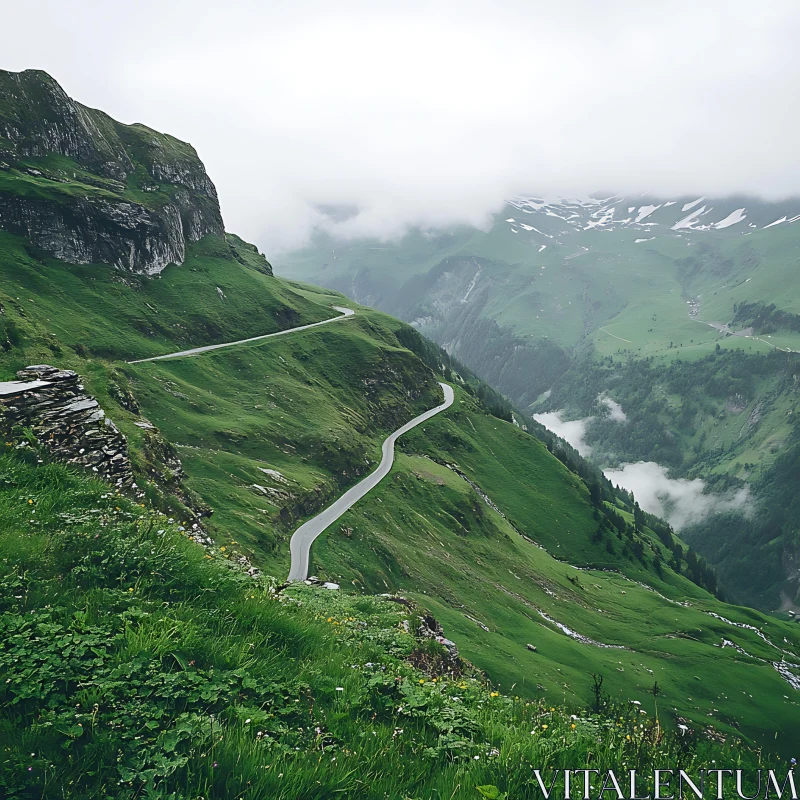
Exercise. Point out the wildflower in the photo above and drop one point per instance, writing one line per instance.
(628, 737)
(477, 758)
(552, 709)
(544, 727)
(30, 502)
(422, 680)
(247, 722)
(494, 694)
(214, 764)
(131, 589)
(573, 726)
(340, 688)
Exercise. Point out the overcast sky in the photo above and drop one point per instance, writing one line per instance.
(431, 113)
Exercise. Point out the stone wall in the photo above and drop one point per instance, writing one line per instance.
(67, 421)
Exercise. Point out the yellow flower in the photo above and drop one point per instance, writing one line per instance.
(552, 709)
(131, 589)
(223, 548)
(330, 619)
(422, 680)
(544, 727)
(494, 694)
(628, 737)
(30, 502)
(572, 726)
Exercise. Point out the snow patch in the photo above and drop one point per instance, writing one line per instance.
(645, 211)
(731, 219)
(688, 222)
(692, 204)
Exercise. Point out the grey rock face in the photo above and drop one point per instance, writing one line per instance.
(103, 223)
(124, 235)
(68, 422)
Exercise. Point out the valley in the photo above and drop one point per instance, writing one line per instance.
(148, 631)
(678, 311)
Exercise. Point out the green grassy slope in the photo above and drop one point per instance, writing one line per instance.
(557, 314)
(427, 532)
(312, 409)
(135, 663)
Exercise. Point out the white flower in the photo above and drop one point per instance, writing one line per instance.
(247, 722)
(340, 688)
(636, 702)
(477, 758)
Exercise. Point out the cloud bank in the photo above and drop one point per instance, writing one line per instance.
(430, 114)
(681, 502)
(572, 431)
(615, 412)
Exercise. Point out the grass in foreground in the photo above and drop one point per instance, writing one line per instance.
(134, 663)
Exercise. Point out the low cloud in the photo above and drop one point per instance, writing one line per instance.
(681, 502)
(431, 114)
(572, 431)
(615, 411)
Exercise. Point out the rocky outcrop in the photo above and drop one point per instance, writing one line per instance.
(128, 196)
(124, 235)
(67, 421)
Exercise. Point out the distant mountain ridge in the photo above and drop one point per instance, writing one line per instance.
(651, 214)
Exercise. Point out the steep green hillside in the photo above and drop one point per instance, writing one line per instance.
(684, 312)
(270, 431)
(479, 521)
(135, 663)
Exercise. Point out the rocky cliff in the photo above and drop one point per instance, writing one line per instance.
(53, 405)
(87, 189)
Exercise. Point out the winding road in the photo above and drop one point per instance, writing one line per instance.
(346, 312)
(304, 536)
